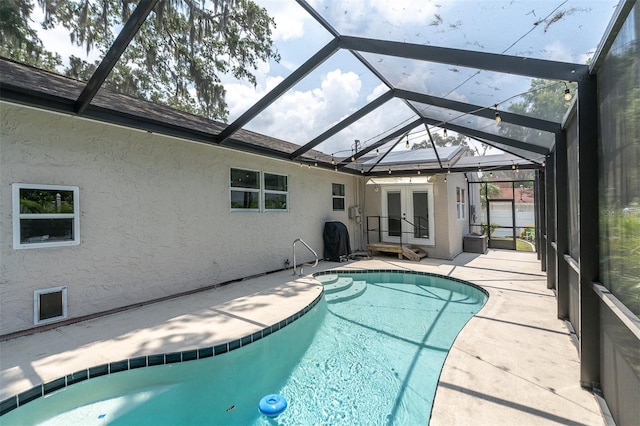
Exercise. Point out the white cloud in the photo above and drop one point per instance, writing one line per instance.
(400, 12)
(289, 17)
(241, 97)
(377, 92)
(341, 88)
(375, 17)
(370, 129)
(557, 51)
(299, 115)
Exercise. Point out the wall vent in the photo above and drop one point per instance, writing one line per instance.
(49, 305)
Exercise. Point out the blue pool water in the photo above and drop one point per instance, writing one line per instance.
(368, 355)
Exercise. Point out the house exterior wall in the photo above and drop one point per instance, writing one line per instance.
(442, 212)
(449, 231)
(155, 217)
(457, 228)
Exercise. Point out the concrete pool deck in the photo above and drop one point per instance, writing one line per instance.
(513, 363)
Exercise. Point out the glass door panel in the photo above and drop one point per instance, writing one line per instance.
(407, 213)
(420, 214)
(394, 213)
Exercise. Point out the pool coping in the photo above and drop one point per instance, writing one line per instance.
(402, 271)
(44, 389)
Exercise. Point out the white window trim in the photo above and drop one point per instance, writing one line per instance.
(261, 191)
(406, 190)
(36, 304)
(461, 206)
(17, 216)
(271, 191)
(256, 190)
(343, 197)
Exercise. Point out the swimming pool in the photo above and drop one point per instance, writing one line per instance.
(370, 351)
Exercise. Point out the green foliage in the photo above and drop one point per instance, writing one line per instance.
(492, 228)
(528, 233)
(620, 168)
(458, 140)
(523, 246)
(20, 42)
(488, 191)
(544, 100)
(621, 255)
(175, 59)
(442, 141)
(38, 201)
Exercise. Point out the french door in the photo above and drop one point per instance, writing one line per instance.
(407, 212)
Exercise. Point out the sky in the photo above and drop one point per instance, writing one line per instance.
(342, 85)
(559, 30)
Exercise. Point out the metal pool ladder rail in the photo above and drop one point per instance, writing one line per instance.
(294, 255)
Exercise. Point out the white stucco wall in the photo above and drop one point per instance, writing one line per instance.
(448, 230)
(155, 217)
(458, 228)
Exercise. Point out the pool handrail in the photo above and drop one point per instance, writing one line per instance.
(294, 255)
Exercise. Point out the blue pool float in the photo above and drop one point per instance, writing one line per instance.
(272, 405)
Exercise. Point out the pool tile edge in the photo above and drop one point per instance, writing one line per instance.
(43, 389)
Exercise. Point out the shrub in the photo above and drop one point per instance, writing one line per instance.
(493, 227)
(528, 233)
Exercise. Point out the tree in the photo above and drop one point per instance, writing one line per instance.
(177, 56)
(544, 100)
(458, 140)
(18, 40)
(488, 191)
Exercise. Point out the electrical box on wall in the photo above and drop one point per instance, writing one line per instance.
(354, 212)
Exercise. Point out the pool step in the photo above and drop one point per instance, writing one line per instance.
(340, 285)
(354, 290)
(327, 279)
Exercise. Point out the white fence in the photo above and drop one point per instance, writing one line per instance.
(501, 214)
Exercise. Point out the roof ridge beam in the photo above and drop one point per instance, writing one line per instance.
(503, 149)
(486, 112)
(312, 63)
(530, 67)
(385, 97)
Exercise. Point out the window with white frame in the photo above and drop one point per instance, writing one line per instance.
(276, 194)
(245, 190)
(45, 215)
(337, 192)
(461, 203)
(251, 190)
(49, 305)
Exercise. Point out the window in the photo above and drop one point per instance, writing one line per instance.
(245, 190)
(49, 305)
(461, 203)
(45, 216)
(276, 196)
(255, 191)
(337, 191)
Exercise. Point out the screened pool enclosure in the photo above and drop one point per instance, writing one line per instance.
(403, 89)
